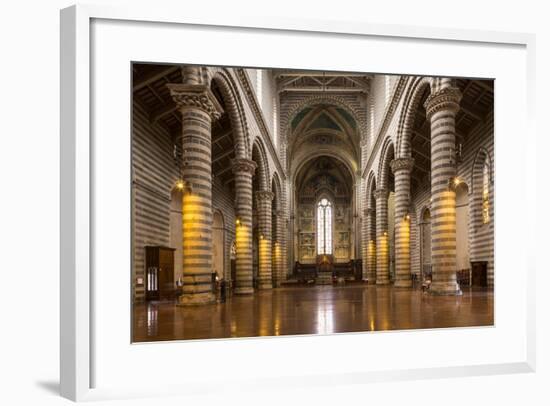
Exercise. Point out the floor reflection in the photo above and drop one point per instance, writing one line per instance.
(312, 310)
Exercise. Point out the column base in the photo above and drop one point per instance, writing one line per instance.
(265, 286)
(445, 289)
(403, 283)
(382, 281)
(244, 291)
(196, 299)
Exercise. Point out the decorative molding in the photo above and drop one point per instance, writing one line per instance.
(445, 99)
(402, 164)
(369, 211)
(263, 195)
(381, 194)
(279, 213)
(244, 165)
(195, 96)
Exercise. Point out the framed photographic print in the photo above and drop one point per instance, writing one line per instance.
(342, 190)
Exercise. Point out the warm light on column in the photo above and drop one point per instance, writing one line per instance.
(371, 255)
(382, 258)
(264, 251)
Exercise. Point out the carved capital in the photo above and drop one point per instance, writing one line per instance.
(279, 213)
(402, 164)
(195, 96)
(264, 195)
(381, 194)
(241, 165)
(445, 99)
(369, 211)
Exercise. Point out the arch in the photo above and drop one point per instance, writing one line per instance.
(387, 154)
(482, 156)
(481, 204)
(412, 98)
(235, 110)
(260, 157)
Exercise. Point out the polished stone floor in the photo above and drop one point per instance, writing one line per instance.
(312, 310)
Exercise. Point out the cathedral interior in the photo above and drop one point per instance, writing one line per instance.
(272, 202)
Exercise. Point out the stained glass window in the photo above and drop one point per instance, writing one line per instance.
(324, 227)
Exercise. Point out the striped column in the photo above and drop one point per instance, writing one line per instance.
(278, 258)
(371, 247)
(243, 170)
(263, 203)
(382, 242)
(441, 108)
(198, 108)
(401, 169)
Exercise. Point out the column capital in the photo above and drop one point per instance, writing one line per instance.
(264, 195)
(381, 194)
(369, 211)
(447, 98)
(279, 213)
(402, 164)
(243, 165)
(195, 96)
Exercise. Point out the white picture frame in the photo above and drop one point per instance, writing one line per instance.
(76, 302)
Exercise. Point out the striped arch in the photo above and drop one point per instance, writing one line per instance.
(260, 157)
(386, 156)
(413, 93)
(235, 110)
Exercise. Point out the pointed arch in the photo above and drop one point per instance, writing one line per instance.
(235, 110)
(259, 156)
(413, 95)
(387, 154)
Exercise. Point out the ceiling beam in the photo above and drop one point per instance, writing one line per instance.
(223, 155)
(471, 113)
(483, 84)
(222, 136)
(321, 89)
(294, 73)
(224, 170)
(163, 112)
(153, 76)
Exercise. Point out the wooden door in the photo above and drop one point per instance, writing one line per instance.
(166, 273)
(479, 274)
